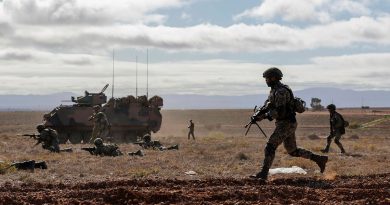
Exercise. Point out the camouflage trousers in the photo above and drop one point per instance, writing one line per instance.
(337, 136)
(283, 133)
(191, 133)
(99, 131)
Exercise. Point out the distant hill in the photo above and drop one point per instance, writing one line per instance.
(341, 97)
(33, 102)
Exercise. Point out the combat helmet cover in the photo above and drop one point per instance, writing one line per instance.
(40, 127)
(273, 72)
(331, 107)
(98, 142)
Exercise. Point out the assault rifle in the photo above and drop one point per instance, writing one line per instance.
(91, 150)
(34, 136)
(255, 117)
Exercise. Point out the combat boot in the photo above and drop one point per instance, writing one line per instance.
(326, 150)
(137, 153)
(262, 175)
(176, 147)
(320, 160)
(41, 165)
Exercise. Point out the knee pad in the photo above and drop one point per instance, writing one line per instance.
(270, 149)
(337, 141)
(294, 153)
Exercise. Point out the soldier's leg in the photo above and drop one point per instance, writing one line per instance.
(290, 145)
(337, 141)
(274, 141)
(94, 134)
(328, 142)
(189, 133)
(193, 135)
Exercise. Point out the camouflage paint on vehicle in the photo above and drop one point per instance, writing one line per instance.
(130, 117)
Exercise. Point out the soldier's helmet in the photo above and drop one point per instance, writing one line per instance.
(98, 142)
(273, 72)
(40, 127)
(147, 138)
(96, 107)
(331, 107)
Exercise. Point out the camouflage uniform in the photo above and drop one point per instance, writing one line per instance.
(191, 130)
(101, 126)
(336, 131)
(103, 149)
(149, 143)
(279, 106)
(49, 139)
(24, 165)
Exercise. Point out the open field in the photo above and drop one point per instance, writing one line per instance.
(221, 156)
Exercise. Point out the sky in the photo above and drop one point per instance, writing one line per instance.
(206, 47)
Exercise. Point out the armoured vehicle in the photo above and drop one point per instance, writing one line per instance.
(316, 104)
(130, 117)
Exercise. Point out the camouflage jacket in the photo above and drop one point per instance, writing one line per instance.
(336, 123)
(279, 103)
(100, 119)
(49, 139)
(107, 150)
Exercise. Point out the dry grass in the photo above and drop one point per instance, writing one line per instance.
(222, 151)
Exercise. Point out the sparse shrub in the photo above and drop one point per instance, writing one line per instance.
(313, 137)
(215, 136)
(241, 156)
(354, 125)
(213, 126)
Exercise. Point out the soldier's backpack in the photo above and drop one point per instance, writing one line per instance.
(298, 105)
(345, 123)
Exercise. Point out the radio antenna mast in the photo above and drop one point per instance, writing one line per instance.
(147, 73)
(136, 76)
(113, 72)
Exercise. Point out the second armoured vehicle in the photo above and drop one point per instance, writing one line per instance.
(130, 117)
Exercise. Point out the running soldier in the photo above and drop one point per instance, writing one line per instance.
(337, 128)
(279, 107)
(101, 126)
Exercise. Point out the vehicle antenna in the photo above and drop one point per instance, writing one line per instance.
(147, 73)
(136, 76)
(113, 72)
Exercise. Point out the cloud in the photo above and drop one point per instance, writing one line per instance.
(206, 37)
(322, 11)
(210, 77)
(88, 12)
(14, 55)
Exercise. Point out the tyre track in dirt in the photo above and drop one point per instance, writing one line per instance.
(373, 189)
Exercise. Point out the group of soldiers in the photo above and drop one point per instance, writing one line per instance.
(280, 106)
(48, 137)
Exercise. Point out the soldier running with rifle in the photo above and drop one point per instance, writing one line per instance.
(281, 107)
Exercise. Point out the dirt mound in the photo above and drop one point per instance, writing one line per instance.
(357, 190)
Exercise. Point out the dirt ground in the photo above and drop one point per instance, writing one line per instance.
(373, 189)
(221, 157)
